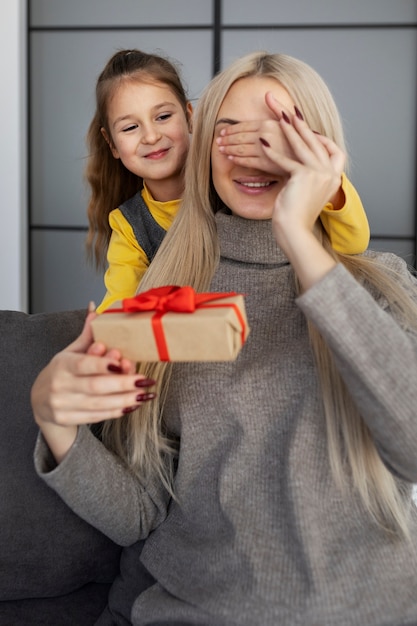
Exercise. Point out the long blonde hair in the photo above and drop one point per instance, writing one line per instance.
(110, 182)
(140, 437)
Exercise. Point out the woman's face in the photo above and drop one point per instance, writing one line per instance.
(246, 192)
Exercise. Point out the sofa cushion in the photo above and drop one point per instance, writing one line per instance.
(45, 550)
(79, 608)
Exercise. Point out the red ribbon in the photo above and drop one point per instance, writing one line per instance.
(175, 300)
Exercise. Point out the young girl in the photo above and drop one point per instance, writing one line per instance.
(291, 468)
(138, 141)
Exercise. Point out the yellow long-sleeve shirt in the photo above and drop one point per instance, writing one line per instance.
(348, 230)
(348, 227)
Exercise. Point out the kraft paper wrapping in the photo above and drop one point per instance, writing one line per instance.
(215, 331)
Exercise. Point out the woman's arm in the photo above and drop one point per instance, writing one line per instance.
(376, 357)
(83, 385)
(312, 177)
(101, 489)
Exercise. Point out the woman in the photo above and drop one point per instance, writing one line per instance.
(275, 489)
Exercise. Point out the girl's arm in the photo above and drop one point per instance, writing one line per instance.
(127, 262)
(346, 223)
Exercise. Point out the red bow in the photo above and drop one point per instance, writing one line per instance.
(172, 299)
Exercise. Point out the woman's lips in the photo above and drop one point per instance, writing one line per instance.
(252, 186)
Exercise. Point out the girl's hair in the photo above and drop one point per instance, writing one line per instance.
(352, 453)
(110, 182)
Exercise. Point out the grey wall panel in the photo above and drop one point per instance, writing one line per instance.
(402, 247)
(60, 276)
(372, 74)
(64, 69)
(319, 12)
(50, 13)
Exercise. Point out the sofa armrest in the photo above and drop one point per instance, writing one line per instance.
(46, 550)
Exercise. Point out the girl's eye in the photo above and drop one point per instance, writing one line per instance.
(128, 128)
(164, 116)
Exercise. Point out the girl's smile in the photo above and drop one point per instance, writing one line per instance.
(158, 154)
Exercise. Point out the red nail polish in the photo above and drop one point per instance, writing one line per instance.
(264, 142)
(144, 397)
(115, 369)
(298, 113)
(129, 409)
(285, 117)
(145, 382)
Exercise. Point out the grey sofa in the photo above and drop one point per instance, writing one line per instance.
(55, 569)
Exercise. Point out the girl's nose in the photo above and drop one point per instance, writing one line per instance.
(151, 134)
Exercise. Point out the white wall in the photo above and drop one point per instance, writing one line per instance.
(13, 186)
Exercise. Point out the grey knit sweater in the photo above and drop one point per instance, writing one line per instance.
(260, 535)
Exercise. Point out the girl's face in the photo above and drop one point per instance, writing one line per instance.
(248, 193)
(150, 135)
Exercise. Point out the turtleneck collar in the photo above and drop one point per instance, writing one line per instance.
(157, 205)
(248, 241)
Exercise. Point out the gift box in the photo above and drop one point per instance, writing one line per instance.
(175, 324)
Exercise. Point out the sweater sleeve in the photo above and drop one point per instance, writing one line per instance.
(377, 359)
(127, 262)
(102, 490)
(348, 227)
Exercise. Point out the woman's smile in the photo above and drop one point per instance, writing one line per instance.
(255, 186)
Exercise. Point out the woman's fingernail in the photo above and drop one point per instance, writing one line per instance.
(115, 369)
(298, 113)
(264, 142)
(144, 397)
(129, 409)
(145, 382)
(285, 117)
